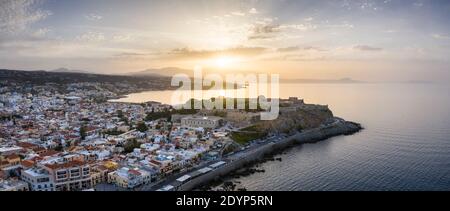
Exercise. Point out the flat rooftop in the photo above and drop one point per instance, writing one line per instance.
(203, 117)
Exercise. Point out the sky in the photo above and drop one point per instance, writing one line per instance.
(374, 40)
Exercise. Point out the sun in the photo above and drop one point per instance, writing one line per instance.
(223, 61)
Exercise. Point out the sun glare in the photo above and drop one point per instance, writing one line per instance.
(224, 61)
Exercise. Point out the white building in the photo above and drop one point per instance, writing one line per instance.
(10, 150)
(129, 178)
(38, 179)
(13, 185)
(201, 121)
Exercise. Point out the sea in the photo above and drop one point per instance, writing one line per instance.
(405, 144)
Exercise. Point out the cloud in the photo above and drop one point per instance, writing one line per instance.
(440, 36)
(418, 4)
(238, 13)
(314, 48)
(389, 31)
(298, 57)
(136, 55)
(297, 48)
(93, 17)
(41, 32)
(343, 25)
(258, 37)
(289, 49)
(301, 27)
(91, 37)
(123, 38)
(17, 15)
(238, 51)
(366, 48)
(253, 11)
(364, 5)
(265, 29)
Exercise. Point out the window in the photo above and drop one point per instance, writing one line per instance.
(42, 180)
(74, 171)
(61, 172)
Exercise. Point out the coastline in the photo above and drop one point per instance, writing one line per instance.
(240, 160)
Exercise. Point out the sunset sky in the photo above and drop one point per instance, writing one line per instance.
(385, 40)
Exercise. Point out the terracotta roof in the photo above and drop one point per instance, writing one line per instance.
(102, 168)
(49, 153)
(68, 137)
(37, 158)
(12, 157)
(27, 163)
(155, 162)
(39, 149)
(71, 148)
(112, 142)
(90, 129)
(27, 145)
(69, 164)
(134, 172)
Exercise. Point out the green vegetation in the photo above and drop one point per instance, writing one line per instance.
(230, 148)
(224, 102)
(59, 148)
(235, 103)
(253, 128)
(247, 134)
(131, 145)
(222, 114)
(122, 117)
(141, 127)
(158, 115)
(244, 137)
(113, 132)
(83, 132)
(168, 114)
(120, 114)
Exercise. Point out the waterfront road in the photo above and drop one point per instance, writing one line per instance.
(250, 148)
(227, 158)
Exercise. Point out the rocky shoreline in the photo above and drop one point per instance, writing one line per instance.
(249, 164)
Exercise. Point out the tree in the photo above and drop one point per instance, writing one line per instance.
(83, 132)
(131, 145)
(141, 127)
(120, 114)
(125, 120)
(59, 148)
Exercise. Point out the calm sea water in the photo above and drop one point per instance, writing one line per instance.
(405, 146)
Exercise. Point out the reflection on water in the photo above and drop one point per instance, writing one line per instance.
(166, 96)
(405, 146)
